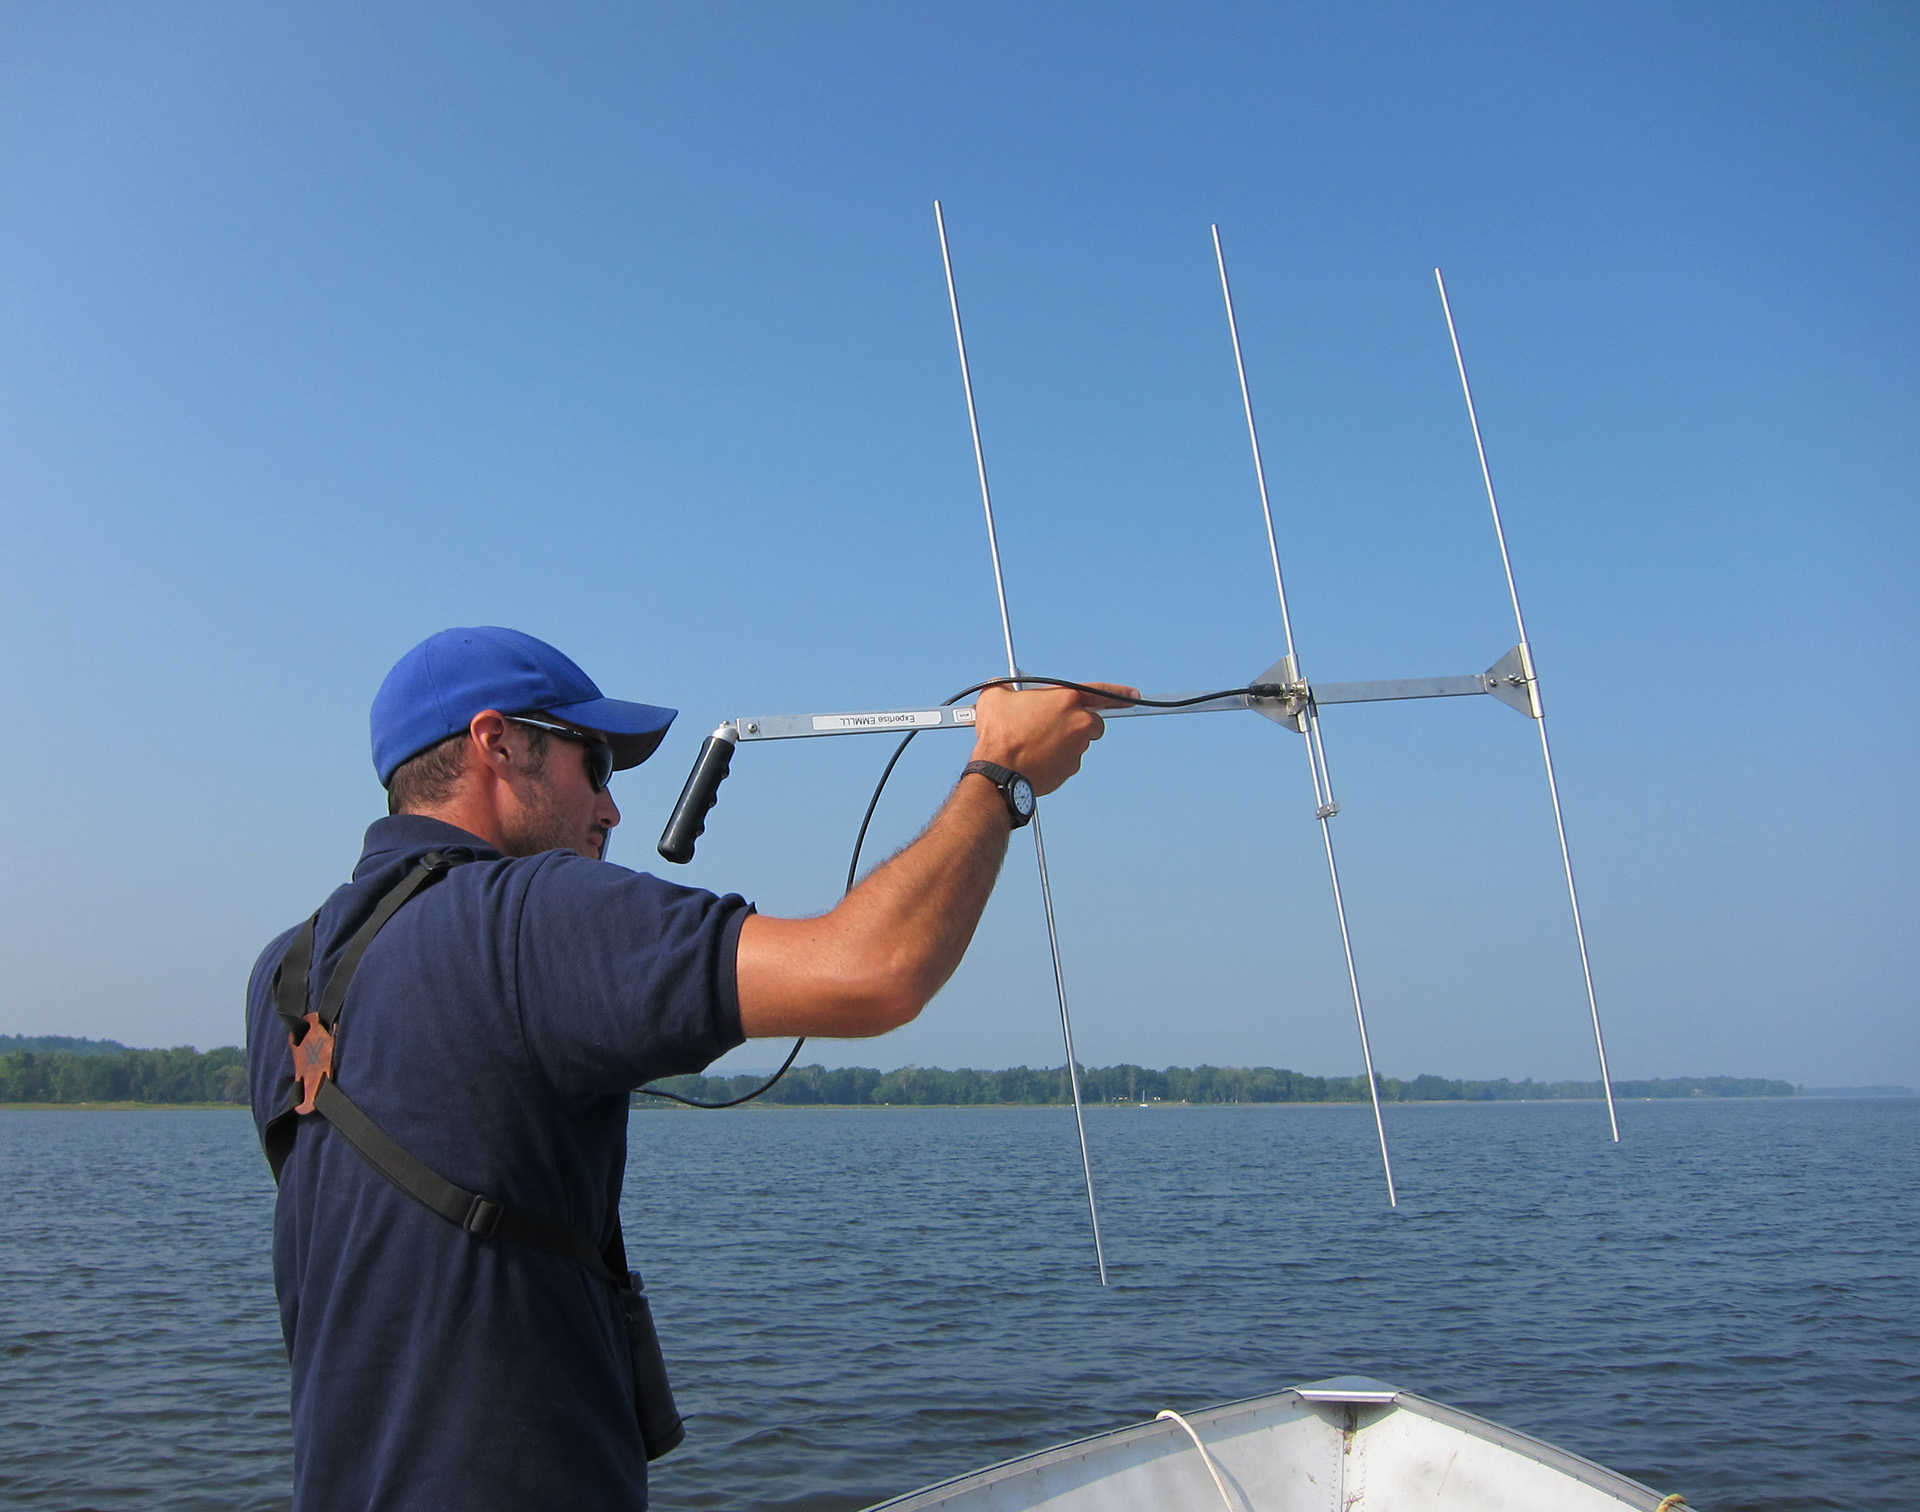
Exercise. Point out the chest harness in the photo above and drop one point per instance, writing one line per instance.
(313, 1034)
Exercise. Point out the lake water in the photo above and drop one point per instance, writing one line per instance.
(858, 1302)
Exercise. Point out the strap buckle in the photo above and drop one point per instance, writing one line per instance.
(483, 1217)
(312, 1060)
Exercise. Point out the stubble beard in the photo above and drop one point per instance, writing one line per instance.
(542, 826)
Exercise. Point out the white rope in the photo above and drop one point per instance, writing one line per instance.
(1212, 1469)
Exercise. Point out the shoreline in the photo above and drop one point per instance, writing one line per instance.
(1122, 1107)
(1443, 1102)
(122, 1107)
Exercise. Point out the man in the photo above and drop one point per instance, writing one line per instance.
(494, 1029)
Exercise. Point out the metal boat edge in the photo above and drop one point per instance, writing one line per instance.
(1348, 1403)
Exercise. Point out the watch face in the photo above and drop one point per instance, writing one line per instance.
(1023, 796)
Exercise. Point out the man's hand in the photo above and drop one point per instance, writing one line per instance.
(1042, 733)
(873, 962)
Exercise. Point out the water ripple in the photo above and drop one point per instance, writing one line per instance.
(857, 1302)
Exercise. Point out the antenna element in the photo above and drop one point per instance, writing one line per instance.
(1013, 671)
(1533, 685)
(1324, 806)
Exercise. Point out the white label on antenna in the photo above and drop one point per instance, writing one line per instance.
(911, 719)
(963, 715)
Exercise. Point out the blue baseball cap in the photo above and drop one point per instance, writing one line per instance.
(436, 688)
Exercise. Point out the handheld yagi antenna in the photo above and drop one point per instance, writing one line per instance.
(1282, 694)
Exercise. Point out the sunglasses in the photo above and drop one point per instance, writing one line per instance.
(598, 753)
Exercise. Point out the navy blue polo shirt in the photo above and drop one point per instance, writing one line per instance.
(495, 1028)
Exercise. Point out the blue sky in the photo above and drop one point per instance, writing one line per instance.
(324, 327)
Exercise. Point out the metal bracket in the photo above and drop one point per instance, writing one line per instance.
(1290, 710)
(1511, 680)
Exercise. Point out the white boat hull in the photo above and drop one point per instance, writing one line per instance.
(1346, 1445)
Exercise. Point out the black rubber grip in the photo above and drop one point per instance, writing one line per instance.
(688, 821)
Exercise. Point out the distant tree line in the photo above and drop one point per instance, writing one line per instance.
(929, 1086)
(58, 1044)
(103, 1071)
(184, 1075)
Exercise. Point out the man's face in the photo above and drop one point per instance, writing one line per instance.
(557, 808)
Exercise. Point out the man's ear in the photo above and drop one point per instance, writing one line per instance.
(490, 746)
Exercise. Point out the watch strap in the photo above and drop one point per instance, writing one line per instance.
(1003, 778)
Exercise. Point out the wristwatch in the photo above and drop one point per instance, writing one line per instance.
(1013, 787)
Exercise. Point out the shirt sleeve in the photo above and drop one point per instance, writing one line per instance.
(622, 977)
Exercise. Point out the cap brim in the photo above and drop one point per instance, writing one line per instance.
(634, 730)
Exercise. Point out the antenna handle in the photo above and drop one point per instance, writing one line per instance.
(688, 821)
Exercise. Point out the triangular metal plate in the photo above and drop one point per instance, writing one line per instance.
(1511, 680)
(1291, 712)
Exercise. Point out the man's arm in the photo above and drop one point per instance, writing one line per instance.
(877, 959)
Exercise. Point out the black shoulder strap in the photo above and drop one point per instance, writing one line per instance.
(290, 1003)
(429, 869)
(478, 1216)
(290, 977)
